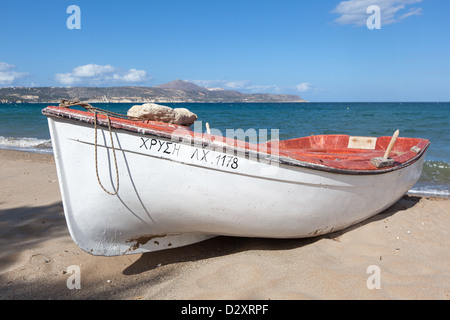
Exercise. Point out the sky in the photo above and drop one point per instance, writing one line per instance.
(323, 51)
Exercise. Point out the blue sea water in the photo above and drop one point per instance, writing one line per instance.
(23, 127)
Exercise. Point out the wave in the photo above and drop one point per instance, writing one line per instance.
(434, 181)
(430, 192)
(26, 144)
(436, 171)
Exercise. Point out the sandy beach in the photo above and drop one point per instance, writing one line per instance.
(401, 253)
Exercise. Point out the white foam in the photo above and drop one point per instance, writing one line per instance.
(26, 144)
(430, 192)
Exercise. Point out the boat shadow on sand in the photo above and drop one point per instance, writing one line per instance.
(223, 245)
(28, 226)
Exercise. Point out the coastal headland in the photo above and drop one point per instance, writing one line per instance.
(174, 91)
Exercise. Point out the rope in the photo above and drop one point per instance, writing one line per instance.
(64, 103)
(114, 154)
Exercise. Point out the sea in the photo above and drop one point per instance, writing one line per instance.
(23, 127)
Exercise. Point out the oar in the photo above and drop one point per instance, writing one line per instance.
(385, 161)
(391, 144)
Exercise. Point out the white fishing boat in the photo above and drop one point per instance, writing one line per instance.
(131, 186)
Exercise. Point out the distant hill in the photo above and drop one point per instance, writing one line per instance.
(181, 85)
(174, 91)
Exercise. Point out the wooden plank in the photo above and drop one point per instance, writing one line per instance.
(368, 143)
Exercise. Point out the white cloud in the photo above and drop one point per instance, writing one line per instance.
(303, 87)
(94, 74)
(239, 85)
(411, 12)
(248, 86)
(92, 71)
(354, 11)
(66, 78)
(224, 84)
(5, 66)
(134, 75)
(8, 75)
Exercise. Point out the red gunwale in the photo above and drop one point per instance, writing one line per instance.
(323, 152)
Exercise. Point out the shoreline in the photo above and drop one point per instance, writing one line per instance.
(412, 192)
(407, 242)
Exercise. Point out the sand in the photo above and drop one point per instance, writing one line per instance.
(402, 253)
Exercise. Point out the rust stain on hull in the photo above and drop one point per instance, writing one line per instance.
(143, 240)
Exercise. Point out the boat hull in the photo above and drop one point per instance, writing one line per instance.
(173, 193)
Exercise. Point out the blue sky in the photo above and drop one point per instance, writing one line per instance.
(320, 50)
